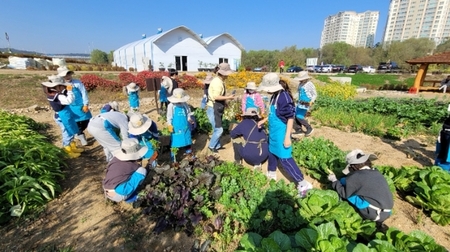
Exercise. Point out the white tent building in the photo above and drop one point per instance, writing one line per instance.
(179, 48)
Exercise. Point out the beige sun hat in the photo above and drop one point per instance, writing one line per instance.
(251, 112)
(357, 156)
(138, 123)
(224, 69)
(208, 79)
(64, 71)
(114, 105)
(132, 87)
(251, 85)
(270, 83)
(179, 95)
(54, 80)
(130, 150)
(303, 75)
(166, 82)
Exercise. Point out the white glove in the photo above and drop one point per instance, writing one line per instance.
(332, 177)
(204, 96)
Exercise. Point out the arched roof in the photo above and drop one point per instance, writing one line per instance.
(155, 37)
(209, 40)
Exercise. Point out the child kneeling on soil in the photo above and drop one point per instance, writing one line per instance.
(124, 173)
(144, 130)
(364, 187)
(250, 141)
(180, 121)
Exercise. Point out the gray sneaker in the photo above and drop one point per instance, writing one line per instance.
(303, 187)
(308, 133)
(271, 175)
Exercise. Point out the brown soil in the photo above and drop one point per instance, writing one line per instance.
(81, 218)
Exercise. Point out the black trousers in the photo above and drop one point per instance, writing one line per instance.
(300, 123)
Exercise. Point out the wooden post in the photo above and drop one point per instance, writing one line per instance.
(154, 84)
(418, 81)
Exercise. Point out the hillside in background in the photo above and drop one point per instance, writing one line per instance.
(23, 52)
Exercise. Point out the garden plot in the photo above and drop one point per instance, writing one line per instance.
(81, 219)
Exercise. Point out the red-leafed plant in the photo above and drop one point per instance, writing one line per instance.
(92, 81)
(189, 82)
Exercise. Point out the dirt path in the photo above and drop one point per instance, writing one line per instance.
(81, 218)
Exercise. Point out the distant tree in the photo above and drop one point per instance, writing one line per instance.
(409, 49)
(336, 53)
(111, 56)
(443, 47)
(99, 57)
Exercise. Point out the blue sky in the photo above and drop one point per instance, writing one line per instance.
(78, 26)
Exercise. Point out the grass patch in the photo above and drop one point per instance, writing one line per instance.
(374, 81)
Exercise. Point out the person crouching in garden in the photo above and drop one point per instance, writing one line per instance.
(80, 105)
(124, 173)
(364, 187)
(103, 128)
(249, 140)
(132, 91)
(307, 94)
(59, 95)
(281, 118)
(443, 146)
(142, 128)
(252, 99)
(179, 122)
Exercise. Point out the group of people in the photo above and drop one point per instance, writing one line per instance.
(127, 138)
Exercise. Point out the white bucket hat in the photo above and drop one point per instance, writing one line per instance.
(356, 156)
(224, 69)
(64, 71)
(114, 105)
(178, 96)
(132, 87)
(251, 85)
(251, 112)
(54, 80)
(303, 75)
(270, 83)
(166, 82)
(130, 150)
(138, 124)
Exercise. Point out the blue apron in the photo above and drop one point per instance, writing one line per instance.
(302, 109)
(181, 135)
(277, 132)
(67, 118)
(133, 98)
(163, 95)
(250, 102)
(77, 107)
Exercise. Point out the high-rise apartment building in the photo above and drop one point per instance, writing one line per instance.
(418, 19)
(357, 29)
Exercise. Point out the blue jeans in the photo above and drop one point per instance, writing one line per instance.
(217, 132)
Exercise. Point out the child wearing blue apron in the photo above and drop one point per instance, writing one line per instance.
(142, 128)
(79, 106)
(60, 95)
(133, 96)
(252, 99)
(206, 83)
(179, 121)
(306, 96)
(281, 118)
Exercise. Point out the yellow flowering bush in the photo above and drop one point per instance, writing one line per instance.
(336, 90)
(201, 75)
(240, 79)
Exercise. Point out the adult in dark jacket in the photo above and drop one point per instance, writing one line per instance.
(250, 141)
(124, 173)
(173, 76)
(364, 187)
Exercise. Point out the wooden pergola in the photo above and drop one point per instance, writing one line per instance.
(440, 58)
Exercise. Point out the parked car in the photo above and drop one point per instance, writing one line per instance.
(310, 68)
(323, 68)
(338, 68)
(294, 69)
(354, 69)
(369, 69)
(388, 67)
(260, 69)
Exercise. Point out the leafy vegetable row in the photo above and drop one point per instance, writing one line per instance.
(30, 166)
